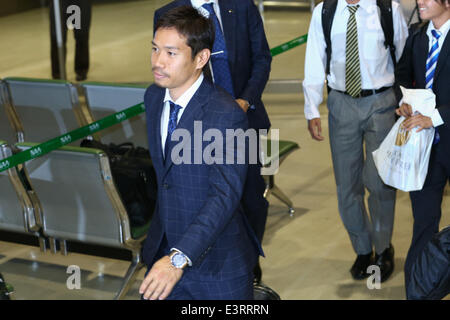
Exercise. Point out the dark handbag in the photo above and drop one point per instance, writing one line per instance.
(134, 176)
(430, 273)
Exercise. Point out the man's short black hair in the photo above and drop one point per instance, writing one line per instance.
(198, 30)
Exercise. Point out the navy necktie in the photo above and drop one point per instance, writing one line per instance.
(219, 57)
(432, 59)
(174, 109)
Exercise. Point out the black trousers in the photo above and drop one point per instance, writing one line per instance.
(81, 35)
(253, 203)
(426, 205)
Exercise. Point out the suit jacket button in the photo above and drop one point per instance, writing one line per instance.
(165, 186)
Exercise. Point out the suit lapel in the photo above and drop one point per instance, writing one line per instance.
(155, 122)
(445, 50)
(228, 16)
(422, 55)
(194, 111)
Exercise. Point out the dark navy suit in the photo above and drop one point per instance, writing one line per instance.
(249, 59)
(198, 209)
(426, 203)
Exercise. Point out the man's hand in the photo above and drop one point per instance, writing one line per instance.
(404, 110)
(243, 104)
(418, 120)
(315, 129)
(161, 279)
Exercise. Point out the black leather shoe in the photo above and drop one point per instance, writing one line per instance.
(359, 268)
(81, 76)
(386, 263)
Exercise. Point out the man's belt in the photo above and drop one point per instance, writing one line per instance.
(366, 92)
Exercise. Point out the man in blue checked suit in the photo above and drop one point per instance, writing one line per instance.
(425, 63)
(199, 245)
(240, 63)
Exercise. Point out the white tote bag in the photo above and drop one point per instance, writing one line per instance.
(403, 156)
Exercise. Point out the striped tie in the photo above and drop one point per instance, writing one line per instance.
(173, 117)
(352, 71)
(433, 56)
(432, 59)
(219, 59)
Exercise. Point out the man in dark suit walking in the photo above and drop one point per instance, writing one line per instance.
(426, 64)
(240, 63)
(199, 245)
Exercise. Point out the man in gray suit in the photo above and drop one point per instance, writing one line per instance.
(361, 104)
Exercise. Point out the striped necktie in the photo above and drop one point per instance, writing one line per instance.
(432, 59)
(219, 56)
(173, 117)
(352, 68)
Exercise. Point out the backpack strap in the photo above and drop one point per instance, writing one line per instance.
(387, 24)
(328, 11)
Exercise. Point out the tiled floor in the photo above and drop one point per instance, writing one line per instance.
(308, 255)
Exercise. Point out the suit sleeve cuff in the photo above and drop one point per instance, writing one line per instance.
(189, 260)
(436, 118)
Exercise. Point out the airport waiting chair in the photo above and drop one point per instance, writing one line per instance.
(45, 109)
(284, 150)
(19, 211)
(7, 133)
(80, 203)
(104, 99)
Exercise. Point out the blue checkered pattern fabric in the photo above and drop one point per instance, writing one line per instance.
(219, 61)
(174, 109)
(198, 209)
(432, 59)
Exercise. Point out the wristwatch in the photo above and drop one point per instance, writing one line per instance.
(178, 259)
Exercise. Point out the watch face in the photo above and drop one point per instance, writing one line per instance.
(178, 260)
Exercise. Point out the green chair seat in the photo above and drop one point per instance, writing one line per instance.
(284, 147)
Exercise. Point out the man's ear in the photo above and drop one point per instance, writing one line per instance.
(202, 58)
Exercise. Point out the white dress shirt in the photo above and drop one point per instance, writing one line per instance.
(182, 101)
(436, 117)
(377, 69)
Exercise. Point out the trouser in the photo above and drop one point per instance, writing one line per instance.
(426, 206)
(357, 125)
(81, 35)
(253, 202)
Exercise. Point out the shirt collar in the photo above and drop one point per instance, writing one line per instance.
(184, 99)
(198, 3)
(363, 4)
(443, 30)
